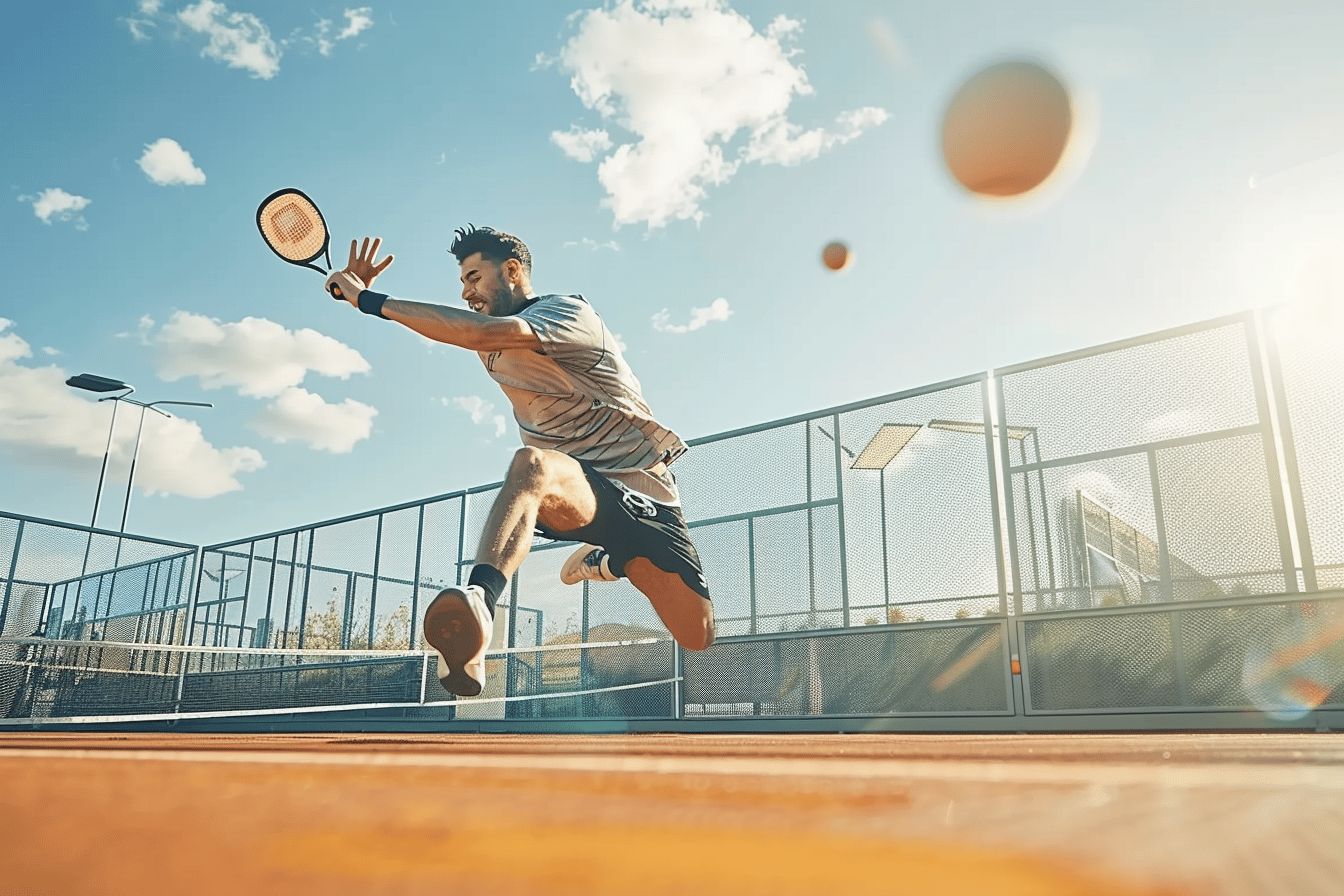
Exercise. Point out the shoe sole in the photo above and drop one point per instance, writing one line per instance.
(572, 571)
(452, 629)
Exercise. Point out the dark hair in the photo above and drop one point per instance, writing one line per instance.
(494, 245)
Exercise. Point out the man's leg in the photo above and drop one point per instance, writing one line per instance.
(541, 485)
(687, 615)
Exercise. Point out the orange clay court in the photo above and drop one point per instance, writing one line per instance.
(201, 814)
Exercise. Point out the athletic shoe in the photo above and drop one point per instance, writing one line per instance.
(458, 626)
(588, 562)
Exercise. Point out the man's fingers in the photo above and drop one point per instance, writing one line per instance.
(373, 250)
(352, 254)
(364, 250)
(382, 266)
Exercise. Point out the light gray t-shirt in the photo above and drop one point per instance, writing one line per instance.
(577, 395)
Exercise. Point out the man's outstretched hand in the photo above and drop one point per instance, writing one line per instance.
(362, 263)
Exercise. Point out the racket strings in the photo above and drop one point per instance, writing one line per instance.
(293, 228)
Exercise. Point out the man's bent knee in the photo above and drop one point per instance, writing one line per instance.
(528, 469)
(698, 637)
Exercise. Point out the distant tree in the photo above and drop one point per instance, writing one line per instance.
(322, 630)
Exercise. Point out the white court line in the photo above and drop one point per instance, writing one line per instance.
(1228, 777)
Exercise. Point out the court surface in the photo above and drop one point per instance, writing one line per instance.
(671, 813)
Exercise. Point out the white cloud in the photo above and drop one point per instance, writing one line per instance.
(12, 348)
(176, 459)
(356, 21)
(782, 143)
(580, 145)
(50, 352)
(301, 416)
(166, 163)
(717, 310)
(238, 39)
(685, 78)
(620, 343)
(258, 357)
(38, 411)
(587, 243)
(55, 203)
(139, 28)
(481, 411)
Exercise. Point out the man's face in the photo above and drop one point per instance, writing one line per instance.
(484, 286)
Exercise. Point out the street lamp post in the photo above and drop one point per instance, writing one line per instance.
(889, 441)
(92, 383)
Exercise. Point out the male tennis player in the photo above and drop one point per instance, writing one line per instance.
(593, 468)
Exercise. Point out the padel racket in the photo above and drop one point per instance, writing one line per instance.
(292, 226)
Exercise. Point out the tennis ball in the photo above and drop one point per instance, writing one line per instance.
(836, 256)
(1006, 129)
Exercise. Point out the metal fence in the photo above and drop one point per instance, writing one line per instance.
(1143, 526)
(65, 581)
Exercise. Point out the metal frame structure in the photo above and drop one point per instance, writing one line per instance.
(835, 520)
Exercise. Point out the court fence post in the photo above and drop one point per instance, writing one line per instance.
(840, 523)
(373, 592)
(678, 710)
(1288, 459)
(9, 578)
(1001, 513)
(1277, 468)
(415, 578)
(191, 624)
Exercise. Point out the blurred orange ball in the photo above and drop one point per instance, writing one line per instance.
(836, 256)
(1006, 129)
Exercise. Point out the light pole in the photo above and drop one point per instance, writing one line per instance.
(889, 441)
(92, 383)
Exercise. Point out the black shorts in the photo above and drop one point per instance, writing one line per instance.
(629, 525)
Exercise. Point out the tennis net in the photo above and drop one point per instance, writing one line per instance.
(62, 681)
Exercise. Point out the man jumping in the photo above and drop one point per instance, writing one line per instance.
(594, 463)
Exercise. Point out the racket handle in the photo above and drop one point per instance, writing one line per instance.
(336, 293)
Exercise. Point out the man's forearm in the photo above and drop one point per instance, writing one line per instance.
(454, 326)
(457, 326)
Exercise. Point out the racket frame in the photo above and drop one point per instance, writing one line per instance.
(325, 251)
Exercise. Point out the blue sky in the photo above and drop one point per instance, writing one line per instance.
(690, 207)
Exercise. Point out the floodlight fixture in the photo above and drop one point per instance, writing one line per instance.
(1016, 433)
(889, 441)
(93, 383)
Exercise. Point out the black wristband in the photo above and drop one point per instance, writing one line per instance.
(371, 302)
